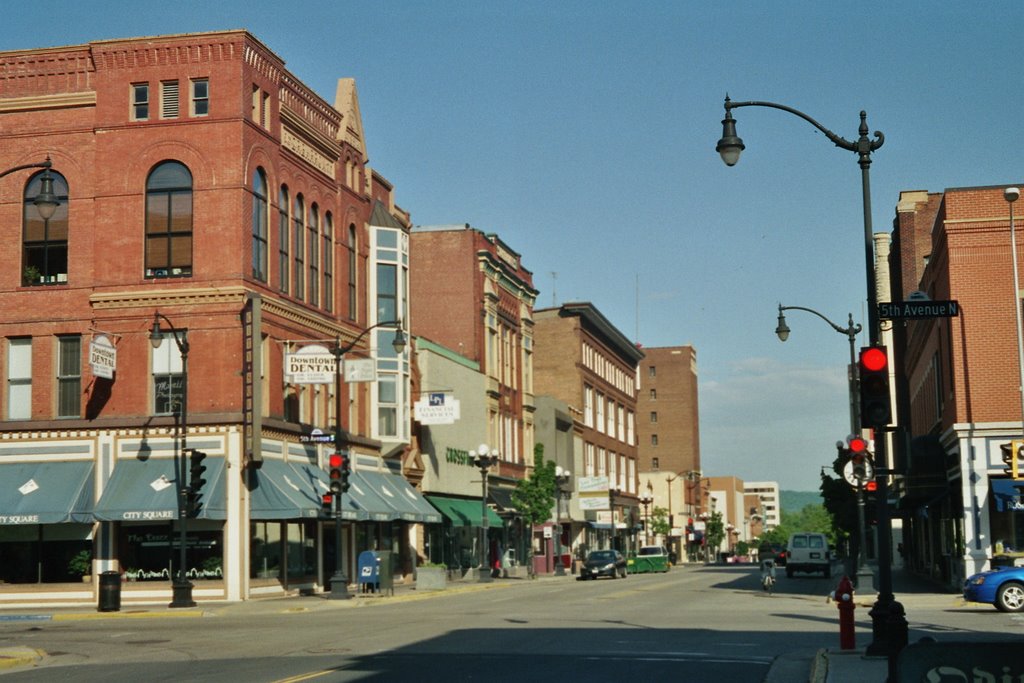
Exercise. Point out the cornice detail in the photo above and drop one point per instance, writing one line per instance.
(58, 101)
(167, 297)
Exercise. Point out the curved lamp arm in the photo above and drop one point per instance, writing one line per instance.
(731, 145)
(783, 330)
(399, 343)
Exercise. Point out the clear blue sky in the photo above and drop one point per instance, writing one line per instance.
(583, 134)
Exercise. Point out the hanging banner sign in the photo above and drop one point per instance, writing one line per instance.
(592, 493)
(359, 370)
(313, 364)
(102, 357)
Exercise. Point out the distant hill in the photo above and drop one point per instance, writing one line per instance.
(795, 501)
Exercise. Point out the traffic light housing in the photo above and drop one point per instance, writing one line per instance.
(857, 447)
(196, 481)
(1013, 458)
(875, 399)
(338, 472)
(326, 501)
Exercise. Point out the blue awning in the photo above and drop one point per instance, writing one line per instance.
(402, 500)
(146, 490)
(1008, 494)
(312, 483)
(277, 491)
(46, 492)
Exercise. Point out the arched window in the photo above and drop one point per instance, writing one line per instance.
(169, 221)
(298, 268)
(328, 257)
(283, 231)
(352, 272)
(259, 225)
(314, 256)
(44, 259)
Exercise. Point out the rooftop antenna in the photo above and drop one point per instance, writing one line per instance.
(554, 297)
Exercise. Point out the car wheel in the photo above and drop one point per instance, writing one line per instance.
(1010, 597)
(827, 571)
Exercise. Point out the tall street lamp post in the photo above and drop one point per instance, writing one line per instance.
(562, 479)
(483, 459)
(888, 619)
(645, 500)
(46, 201)
(1012, 194)
(181, 587)
(851, 331)
(339, 581)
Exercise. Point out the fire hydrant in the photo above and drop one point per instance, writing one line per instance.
(843, 595)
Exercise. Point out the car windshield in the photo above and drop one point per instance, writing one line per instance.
(651, 551)
(603, 556)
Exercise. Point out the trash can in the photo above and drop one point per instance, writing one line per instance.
(110, 592)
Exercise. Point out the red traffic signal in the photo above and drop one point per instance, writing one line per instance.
(875, 400)
(857, 445)
(871, 486)
(326, 501)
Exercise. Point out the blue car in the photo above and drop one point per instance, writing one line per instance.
(1003, 588)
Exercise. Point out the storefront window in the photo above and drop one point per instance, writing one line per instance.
(265, 551)
(149, 552)
(43, 553)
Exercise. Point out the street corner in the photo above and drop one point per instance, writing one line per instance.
(11, 657)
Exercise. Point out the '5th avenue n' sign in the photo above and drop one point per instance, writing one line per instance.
(918, 309)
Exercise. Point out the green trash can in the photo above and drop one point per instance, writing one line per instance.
(110, 592)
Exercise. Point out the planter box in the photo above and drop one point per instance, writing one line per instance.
(431, 578)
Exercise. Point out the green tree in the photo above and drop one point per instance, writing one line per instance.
(658, 522)
(534, 497)
(714, 533)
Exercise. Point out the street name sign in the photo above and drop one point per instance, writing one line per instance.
(918, 309)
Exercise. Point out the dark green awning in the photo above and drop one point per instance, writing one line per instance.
(463, 512)
(46, 492)
(143, 490)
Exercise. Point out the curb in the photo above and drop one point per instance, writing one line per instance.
(819, 667)
(11, 657)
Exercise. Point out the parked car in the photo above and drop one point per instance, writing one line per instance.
(650, 558)
(1003, 588)
(808, 552)
(772, 551)
(610, 563)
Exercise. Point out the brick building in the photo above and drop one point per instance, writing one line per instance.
(668, 437)
(958, 393)
(587, 363)
(201, 185)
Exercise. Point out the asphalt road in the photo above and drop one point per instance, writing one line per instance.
(691, 624)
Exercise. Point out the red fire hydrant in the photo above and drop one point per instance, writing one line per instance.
(843, 596)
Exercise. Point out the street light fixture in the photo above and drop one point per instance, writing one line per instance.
(1012, 194)
(851, 331)
(645, 500)
(888, 620)
(46, 201)
(181, 587)
(562, 479)
(339, 581)
(483, 459)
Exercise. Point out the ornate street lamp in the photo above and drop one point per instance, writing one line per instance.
(562, 479)
(339, 581)
(1012, 194)
(46, 201)
(181, 587)
(888, 618)
(645, 500)
(483, 459)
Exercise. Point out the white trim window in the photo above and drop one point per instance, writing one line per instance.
(19, 378)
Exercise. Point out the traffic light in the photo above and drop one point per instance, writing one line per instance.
(338, 473)
(875, 401)
(858, 449)
(1013, 457)
(196, 481)
(325, 503)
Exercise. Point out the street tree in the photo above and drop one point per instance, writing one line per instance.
(534, 497)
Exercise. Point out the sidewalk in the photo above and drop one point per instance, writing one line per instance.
(833, 665)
